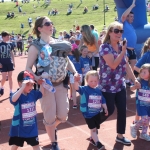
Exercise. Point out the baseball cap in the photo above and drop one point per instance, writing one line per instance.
(25, 75)
(5, 33)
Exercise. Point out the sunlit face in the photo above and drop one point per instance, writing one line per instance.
(47, 27)
(6, 38)
(130, 18)
(144, 74)
(116, 36)
(84, 52)
(28, 88)
(92, 81)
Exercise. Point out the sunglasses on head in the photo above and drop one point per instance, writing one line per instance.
(117, 31)
(47, 24)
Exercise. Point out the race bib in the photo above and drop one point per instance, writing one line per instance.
(86, 68)
(94, 101)
(144, 95)
(28, 112)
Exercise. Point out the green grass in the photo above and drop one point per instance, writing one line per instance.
(61, 21)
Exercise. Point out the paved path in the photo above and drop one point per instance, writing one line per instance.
(72, 135)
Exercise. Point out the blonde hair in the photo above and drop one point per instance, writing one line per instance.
(145, 66)
(91, 73)
(110, 28)
(145, 47)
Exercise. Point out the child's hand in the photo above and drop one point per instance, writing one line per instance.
(76, 77)
(106, 112)
(24, 83)
(137, 84)
(1, 65)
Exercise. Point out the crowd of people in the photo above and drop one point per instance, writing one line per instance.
(97, 66)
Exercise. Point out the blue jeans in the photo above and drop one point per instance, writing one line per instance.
(119, 100)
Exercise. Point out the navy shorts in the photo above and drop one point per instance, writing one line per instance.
(19, 141)
(7, 67)
(93, 122)
(131, 54)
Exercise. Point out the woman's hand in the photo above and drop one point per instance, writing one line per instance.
(38, 79)
(76, 77)
(137, 84)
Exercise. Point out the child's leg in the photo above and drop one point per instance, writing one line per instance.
(10, 80)
(14, 147)
(94, 135)
(144, 122)
(137, 117)
(37, 147)
(74, 94)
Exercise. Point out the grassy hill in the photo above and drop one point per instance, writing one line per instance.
(61, 21)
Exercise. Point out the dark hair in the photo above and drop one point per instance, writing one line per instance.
(38, 23)
(76, 54)
(20, 76)
(5, 33)
(92, 27)
(131, 12)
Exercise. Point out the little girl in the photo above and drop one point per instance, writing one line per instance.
(142, 104)
(87, 64)
(92, 103)
(78, 63)
(145, 58)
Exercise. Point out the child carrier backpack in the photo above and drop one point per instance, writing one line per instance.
(56, 66)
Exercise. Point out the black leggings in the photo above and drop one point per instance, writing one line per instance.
(96, 59)
(19, 46)
(119, 100)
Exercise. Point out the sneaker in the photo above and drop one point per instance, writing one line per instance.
(74, 106)
(1, 92)
(92, 141)
(140, 128)
(100, 146)
(145, 137)
(123, 140)
(54, 146)
(133, 130)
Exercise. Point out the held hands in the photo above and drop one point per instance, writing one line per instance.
(76, 77)
(39, 79)
(137, 84)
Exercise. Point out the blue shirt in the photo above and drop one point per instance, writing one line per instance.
(143, 60)
(86, 64)
(90, 101)
(129, 34)
(78, 65)
(5, 53)
(24, 123)
(95, 34)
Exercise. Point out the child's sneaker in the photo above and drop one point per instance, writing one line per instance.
(140, 128)
(100, 146)
(133, 130)
(92, 141)
(74, 106)
(55, 146)
(123, 140)
(1, 92)
(145, 137)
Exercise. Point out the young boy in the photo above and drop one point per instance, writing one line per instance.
(91, 104)
(7, 62)
(24, 123)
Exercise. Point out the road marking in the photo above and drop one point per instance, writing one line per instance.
(78, 128)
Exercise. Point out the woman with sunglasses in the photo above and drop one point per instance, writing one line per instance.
(55, 106)
(113, 68)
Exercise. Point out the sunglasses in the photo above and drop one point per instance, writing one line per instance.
(47, 24)
(117, 31)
